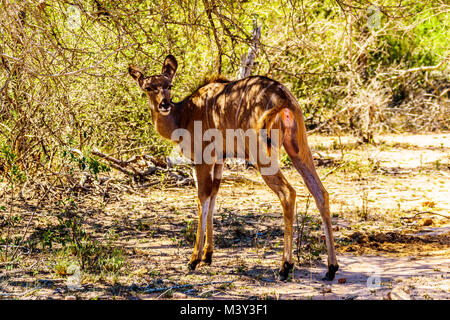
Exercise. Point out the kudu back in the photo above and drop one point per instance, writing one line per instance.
(253, 104)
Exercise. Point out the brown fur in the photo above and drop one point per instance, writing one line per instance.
(252, 103)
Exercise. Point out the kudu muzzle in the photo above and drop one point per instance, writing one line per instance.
(165, 106)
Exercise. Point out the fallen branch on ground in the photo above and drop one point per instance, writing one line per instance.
(127, 167)
(121, 165)
(424, 212)
(183, 286)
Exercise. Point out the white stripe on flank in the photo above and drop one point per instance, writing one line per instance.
(240, 102)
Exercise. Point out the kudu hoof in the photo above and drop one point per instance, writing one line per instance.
(207, 258)
(285, 269)
(193, 264)
(331, 272)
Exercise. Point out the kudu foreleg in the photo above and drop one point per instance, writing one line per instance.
(217, 176)
(204, 181)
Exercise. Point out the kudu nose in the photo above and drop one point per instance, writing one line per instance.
(165, 105)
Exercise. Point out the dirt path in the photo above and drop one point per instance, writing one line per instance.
(390, 205)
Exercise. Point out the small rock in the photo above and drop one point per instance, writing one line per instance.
(70, 298)
(342, 280)
(179, 295)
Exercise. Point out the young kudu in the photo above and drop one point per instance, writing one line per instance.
(256, 103)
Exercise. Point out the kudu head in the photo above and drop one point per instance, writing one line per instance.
(158, 87)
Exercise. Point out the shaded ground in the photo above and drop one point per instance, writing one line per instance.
(390, 204)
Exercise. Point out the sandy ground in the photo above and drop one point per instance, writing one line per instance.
(390, 204)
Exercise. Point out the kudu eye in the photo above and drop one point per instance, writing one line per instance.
(151, 89)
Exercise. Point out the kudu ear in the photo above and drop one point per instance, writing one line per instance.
(135, 73)
(169, 67)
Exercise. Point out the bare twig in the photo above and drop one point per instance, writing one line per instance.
(402, 73)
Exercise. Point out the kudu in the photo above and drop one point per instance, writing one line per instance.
(254, 102)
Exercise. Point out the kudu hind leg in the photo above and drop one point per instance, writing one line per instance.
(286, 194)
(302, 160)
(204, 181)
